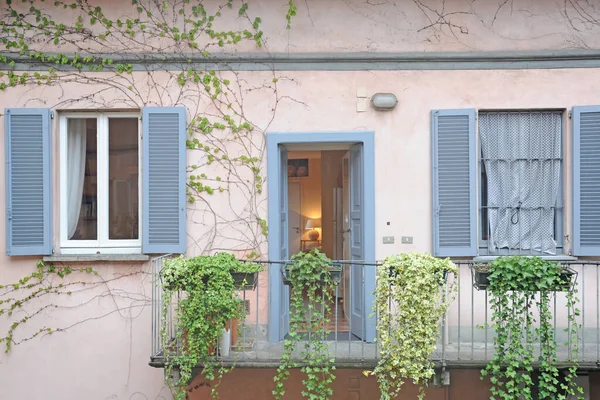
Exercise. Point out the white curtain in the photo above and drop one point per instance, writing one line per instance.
(521, 153)
(76, 146)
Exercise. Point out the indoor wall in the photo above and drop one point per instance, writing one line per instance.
(310, 185)
(331, 163)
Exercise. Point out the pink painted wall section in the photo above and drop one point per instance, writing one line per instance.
(103, 352)
(106, 356)
(389, 26)
(402, 137)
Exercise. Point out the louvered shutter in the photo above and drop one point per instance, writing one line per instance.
(454, 185)
(163, 180)
(586, 181)
(28, 182)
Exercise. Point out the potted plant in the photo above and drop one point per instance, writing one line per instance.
(245, 274)
(480, 273)
(551, 276)
(203, 287)
(332, 269)
(312, 278)
(566, 279)
(180, 273)
(410, 300)
(521, 292)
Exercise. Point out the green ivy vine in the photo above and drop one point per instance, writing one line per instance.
(311, 279)
(410, 299)
(227, 144)
(201, 289)
(291, 12)
(63, 41)
(32, 289)
(521, 292)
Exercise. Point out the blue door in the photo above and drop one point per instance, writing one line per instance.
(357, 298)
(284, 241)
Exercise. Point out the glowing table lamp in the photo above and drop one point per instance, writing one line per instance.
(313, 224)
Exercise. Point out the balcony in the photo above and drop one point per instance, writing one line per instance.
(466, 340)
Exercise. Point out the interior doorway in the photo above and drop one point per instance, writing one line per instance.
(315, 201)
(318, 195)
(321, 195)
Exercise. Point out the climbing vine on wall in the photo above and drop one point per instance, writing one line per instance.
(89, 55)
(46, 281)
(161, 53)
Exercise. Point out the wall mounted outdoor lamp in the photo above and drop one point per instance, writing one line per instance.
(384, 101)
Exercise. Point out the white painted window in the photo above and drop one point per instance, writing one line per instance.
(100, 190)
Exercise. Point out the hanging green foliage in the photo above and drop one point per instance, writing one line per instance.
(521, 290)
(312, 282)
(201, 289)
(411, 298)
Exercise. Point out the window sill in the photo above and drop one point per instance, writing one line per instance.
(549, 258)
(135, 258)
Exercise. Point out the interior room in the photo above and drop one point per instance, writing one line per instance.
(317, 187)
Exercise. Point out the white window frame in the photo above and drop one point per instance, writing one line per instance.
(103, 245)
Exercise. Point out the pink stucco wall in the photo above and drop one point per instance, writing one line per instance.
(108, 356)
(388, 26)
(402, 136)
(104, 354)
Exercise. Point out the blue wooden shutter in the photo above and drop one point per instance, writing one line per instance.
(454, 184)
(28, 182)
(163, 180)
(586, 181)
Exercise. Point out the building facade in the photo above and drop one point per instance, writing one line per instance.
(489, 148)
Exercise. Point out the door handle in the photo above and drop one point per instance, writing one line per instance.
(296, 228)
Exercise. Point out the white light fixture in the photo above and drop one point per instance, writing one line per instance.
(384, 101)
(313, 224)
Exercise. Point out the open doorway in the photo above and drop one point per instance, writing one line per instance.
(357, 233)
(318, 204)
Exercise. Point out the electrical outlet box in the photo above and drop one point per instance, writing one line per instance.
(407, 240)
(445, 378)
(388, 239)
(361, 105)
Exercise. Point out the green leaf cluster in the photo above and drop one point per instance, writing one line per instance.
(187, 273)
(410, 299)
(311, 283)
(204, 289)
(521, 292)
(525, 274)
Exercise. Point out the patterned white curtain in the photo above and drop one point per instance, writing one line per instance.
(522, 156)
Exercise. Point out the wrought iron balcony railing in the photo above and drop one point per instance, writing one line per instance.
(466, 338)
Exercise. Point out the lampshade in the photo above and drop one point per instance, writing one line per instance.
(313, 223)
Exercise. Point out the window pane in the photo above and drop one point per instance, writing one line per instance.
(123, 173)
(82, 179)
(522, 163)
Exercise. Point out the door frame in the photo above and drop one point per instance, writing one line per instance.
(274, 140)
